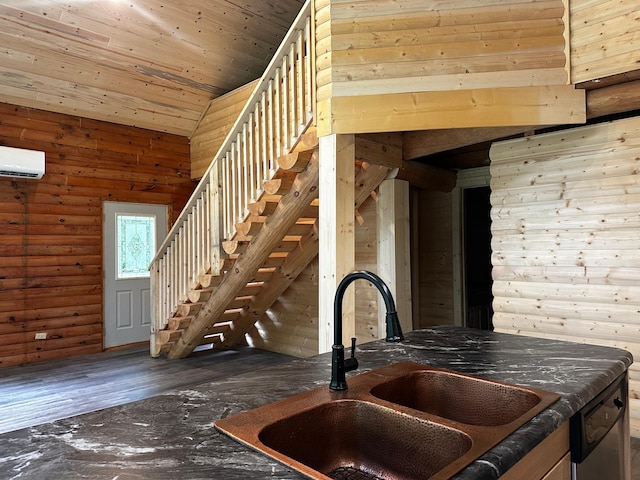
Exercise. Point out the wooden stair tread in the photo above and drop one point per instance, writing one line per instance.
(179, 323)
(208, 280)
(281, 185)
(168, 336)
(188, 309)
(265, 206)
(200, 295)
(251, 225)
(235, 247)
(295, 161)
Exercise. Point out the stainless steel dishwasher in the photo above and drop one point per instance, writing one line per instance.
(599, 436)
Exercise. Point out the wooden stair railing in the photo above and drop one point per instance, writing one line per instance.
(272, 123)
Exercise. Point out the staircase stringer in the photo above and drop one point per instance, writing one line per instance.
(368, 178)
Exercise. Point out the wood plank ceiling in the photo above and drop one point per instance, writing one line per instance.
(154, 64)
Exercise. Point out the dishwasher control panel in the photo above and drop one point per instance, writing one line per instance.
(600, 420)
(591, 424)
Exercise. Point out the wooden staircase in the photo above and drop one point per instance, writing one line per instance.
(252, 217)
(271, 247)
(273, 244)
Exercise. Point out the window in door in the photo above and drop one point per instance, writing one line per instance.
(136, 245)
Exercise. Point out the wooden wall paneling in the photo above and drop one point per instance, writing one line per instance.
(290, 326)
(217, 120)
(323, 27)
(155, 65)
(51, 229)
(565, 228)
(149, 160)
(367, 297)
(516, 37)
(432, 250)
(604, 38)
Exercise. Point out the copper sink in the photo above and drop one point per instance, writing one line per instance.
(358, 435)
(459, 397)
(403, 421)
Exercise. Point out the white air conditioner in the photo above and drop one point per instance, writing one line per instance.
(19, 162)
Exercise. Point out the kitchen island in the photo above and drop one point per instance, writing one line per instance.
(172, 436)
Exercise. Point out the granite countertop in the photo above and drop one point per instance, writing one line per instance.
(172, 436)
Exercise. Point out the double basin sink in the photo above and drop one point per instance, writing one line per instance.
(403, 421)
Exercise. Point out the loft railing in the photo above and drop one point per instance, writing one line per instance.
(273, 118)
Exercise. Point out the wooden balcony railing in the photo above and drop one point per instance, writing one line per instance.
(279, 109)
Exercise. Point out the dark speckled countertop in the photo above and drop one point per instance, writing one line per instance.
(172, 436)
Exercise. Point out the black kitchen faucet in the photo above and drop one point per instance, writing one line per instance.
(340, 365)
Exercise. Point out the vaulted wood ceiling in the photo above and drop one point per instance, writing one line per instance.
(150, 63)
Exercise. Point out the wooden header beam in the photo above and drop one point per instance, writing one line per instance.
(486, 107)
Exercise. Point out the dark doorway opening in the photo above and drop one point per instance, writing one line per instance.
(477, 258)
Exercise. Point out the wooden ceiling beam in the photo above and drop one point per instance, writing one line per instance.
(380, 149)
(610, 99)
(613, 99)
(426, 177)
(385, 149)
(419, 144)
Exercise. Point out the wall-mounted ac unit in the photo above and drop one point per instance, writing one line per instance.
(19, 162)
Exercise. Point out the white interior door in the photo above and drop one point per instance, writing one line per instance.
(131, 234)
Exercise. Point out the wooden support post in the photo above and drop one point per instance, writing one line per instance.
(337, 234)
(394, 259)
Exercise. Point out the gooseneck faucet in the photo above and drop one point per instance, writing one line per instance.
(339, 366)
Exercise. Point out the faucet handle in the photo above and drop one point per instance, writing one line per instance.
(352, 362)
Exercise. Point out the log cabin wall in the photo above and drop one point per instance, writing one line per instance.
(51, 229)
(604, 38)
(434, 64)
(367, 47)
(290, 326)
(565, 225)
(367, 297)
(215, 124)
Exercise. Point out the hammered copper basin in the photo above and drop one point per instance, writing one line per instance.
(464, 399)
(350, 437)
(399, 422)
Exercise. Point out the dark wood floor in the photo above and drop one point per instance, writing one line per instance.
(43, 392)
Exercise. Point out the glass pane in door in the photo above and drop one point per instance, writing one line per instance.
(135, 245)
